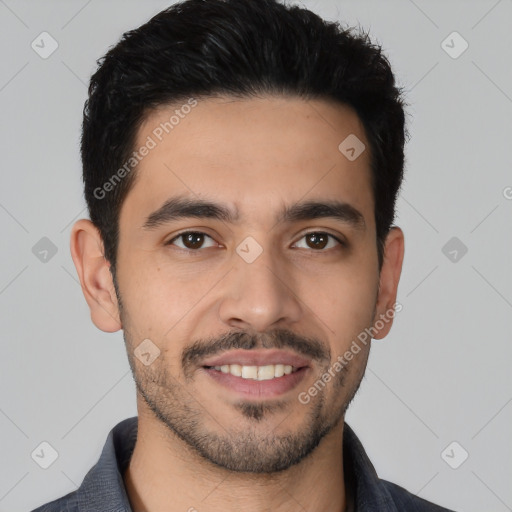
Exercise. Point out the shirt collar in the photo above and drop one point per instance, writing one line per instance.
(103, 488)
(368, 490)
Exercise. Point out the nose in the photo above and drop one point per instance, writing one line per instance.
(260, 295)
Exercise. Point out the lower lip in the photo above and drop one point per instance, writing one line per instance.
(258, 388)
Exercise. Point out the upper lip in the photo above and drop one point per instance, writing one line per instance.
(257, 358)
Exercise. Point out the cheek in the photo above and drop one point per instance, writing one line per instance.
(159, 294)
(344, 299)
(150, 296)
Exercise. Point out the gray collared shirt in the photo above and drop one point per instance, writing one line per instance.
(103, 489)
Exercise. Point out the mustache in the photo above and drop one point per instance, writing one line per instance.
(278, 338)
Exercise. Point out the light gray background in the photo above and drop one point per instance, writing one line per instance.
(443, 373)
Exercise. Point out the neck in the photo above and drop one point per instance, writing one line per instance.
(165, 474)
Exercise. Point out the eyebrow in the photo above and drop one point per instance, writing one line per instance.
(179, 207)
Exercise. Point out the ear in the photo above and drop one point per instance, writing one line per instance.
(388, 283)
(94, 272)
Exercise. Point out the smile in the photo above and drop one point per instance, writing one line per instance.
(266, 372)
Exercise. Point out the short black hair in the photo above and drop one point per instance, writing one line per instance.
(239, 48)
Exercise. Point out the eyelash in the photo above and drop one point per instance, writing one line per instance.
(340, 242)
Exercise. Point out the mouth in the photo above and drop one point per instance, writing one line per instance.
(258, 374)
(266, 372)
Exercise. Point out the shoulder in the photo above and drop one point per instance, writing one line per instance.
(406, 501)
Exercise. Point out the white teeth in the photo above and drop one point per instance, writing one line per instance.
(250, 372)
(235, 369)
(266, 372)
(279, 370)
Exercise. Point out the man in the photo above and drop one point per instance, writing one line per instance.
(241, 163)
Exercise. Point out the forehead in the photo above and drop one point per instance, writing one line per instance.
(254, 155)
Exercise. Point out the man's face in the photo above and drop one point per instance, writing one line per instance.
(284, 289)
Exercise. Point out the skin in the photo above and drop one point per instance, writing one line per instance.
(255, 155)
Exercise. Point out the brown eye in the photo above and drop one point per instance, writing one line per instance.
(191, 240)
(319, 240)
